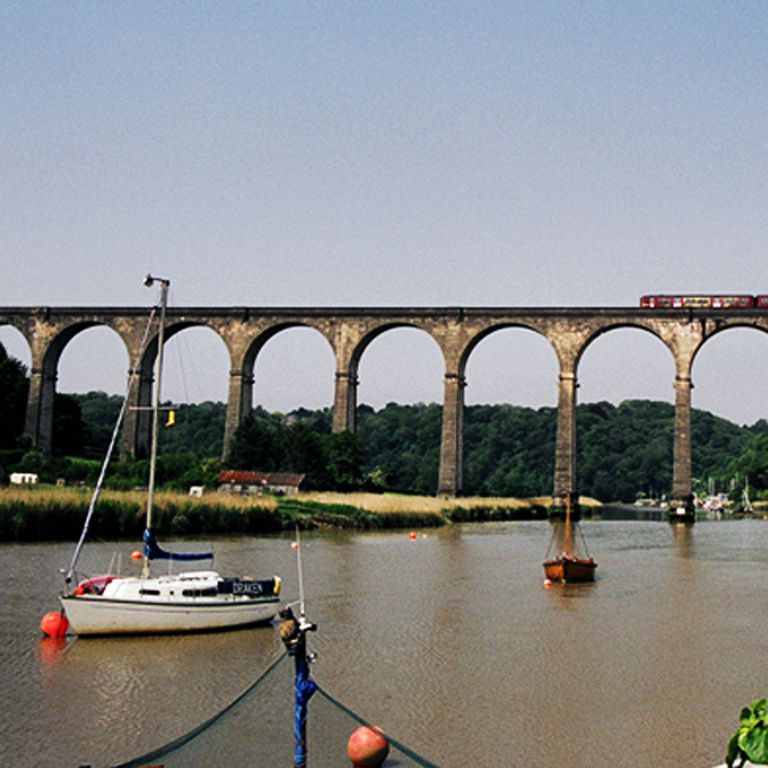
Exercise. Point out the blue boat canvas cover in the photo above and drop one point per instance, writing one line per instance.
(153, 551)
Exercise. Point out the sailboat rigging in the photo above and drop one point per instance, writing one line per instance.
(570, 567)
(183, 602)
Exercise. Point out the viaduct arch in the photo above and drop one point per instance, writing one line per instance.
(456, 331)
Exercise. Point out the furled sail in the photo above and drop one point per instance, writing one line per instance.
(154, 551)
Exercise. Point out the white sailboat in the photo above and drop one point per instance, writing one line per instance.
(189, 601)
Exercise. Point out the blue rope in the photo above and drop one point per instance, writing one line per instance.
(304, 687)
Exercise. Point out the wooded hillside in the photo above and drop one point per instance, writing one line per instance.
(623, 451)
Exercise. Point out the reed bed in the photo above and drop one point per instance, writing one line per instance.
(29, 494)
(55, 514)
(412, 509)
(383, 503)
(45, 513)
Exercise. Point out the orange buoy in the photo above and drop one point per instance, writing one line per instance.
(54, 624)
(547, 583)
(367, 747)
(135, 555)
(294, 545)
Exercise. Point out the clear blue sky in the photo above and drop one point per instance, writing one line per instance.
(390, 153)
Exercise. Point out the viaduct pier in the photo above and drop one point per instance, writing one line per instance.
(348, 331)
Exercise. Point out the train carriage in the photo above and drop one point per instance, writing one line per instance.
(703, 302)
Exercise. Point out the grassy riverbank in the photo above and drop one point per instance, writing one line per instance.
(45, 513)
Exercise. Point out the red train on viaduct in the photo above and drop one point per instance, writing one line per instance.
(705, 302)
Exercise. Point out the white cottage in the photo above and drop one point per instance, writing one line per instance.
(23, 478)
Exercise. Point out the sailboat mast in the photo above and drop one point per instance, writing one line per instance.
(568, 524)
(164, 285)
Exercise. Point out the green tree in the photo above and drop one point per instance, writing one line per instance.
(99, 413)
(68, 426)
(304, 452)
(344, 461)
(14, 386)
(254, 446)
(198, 429)
(623, 450)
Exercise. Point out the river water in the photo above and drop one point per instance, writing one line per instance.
(450, 641)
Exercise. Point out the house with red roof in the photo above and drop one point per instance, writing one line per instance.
(253, 483)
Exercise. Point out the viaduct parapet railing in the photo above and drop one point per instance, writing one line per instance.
(456, 331)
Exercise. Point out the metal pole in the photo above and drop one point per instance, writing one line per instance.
(293, 634)
(164, 284)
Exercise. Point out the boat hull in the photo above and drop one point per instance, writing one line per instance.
(97, 615)
(570, 569)
(186, 602)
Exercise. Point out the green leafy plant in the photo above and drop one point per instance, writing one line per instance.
(750, 742)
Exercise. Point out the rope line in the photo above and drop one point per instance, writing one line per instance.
(167, 749)
(133, 375)
(187, 737)
(583, 540)
(401, 747)
(551, 544)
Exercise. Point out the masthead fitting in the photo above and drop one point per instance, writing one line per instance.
(149, 280)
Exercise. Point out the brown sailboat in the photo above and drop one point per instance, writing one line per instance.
(569, 567)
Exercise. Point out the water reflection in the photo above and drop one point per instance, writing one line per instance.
(449, 641)
(682, 534)
(50, 651)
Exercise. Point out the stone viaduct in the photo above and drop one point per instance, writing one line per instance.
(349, 331)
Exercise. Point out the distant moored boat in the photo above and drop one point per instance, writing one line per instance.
(569, 567)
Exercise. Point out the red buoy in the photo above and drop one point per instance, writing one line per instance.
(136, 555)
(412, 535)
(54, 624)
(367, 747)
